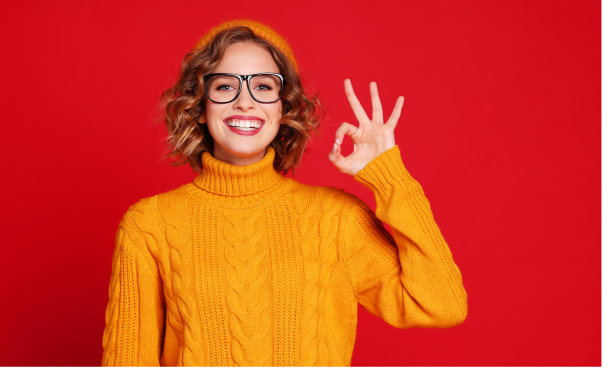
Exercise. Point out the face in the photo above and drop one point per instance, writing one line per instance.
(230, 144)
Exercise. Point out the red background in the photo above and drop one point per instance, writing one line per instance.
(501, 127)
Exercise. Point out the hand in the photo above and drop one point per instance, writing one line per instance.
(371, 138)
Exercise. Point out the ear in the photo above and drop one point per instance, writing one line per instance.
(202, 118)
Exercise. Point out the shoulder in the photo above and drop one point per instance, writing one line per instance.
(317, 194)
(327, 199)
(149, 212)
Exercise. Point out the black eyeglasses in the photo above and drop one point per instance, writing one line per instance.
(225, 87)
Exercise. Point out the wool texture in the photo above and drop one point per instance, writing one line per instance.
(246, 267)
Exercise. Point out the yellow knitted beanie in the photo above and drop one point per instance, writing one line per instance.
(258, 29)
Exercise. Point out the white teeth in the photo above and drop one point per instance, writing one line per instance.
(246, 124)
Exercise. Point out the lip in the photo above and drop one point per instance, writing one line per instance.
(249, 118)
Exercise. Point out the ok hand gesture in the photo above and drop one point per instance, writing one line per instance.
(371, 138)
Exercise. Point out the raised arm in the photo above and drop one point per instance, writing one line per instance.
(135, 314)
(410, 280)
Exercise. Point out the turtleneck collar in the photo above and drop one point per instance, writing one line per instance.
(230, 180)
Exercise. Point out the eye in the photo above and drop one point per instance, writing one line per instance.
(263, 87)
(224, 87)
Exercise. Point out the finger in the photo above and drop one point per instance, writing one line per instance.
(345, 129)
(335, 156)
(376, 105)
(354, 102)
(392, 121)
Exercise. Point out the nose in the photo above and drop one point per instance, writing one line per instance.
(244, 101)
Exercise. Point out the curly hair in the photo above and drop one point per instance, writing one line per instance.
(184, 102)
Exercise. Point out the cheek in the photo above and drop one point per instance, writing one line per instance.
(210, 110)
(278, 112)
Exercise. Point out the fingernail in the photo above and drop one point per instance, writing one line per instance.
(335, 148)
(338, 141)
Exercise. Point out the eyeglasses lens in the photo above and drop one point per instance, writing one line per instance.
(265, 88)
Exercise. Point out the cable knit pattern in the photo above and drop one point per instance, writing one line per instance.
(328, 257)
(133, 266)
(308, 228)
(246, 267)
(181, 285)
(248, 295)
(148, 227)
(127, 295)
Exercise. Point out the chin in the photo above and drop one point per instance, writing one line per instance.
(248, 151)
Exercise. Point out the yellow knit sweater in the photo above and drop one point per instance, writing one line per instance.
(245, 267)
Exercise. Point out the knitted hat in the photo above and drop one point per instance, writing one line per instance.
(259, 30)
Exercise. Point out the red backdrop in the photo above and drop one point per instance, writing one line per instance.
(501, 127)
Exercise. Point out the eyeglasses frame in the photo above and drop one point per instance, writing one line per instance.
(246, 78)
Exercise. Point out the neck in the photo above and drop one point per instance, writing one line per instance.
(227, 179)
(225, 156)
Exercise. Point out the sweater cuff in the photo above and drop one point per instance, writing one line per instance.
(384, 171)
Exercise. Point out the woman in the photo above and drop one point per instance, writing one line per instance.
(247, 267)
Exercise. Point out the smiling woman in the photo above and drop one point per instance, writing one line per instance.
(245, 266)
(229, 121)
(211, 92)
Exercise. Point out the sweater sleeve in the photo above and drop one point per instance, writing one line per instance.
(135, 314)
(409, 280)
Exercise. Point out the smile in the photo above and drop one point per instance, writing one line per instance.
(244, 125)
